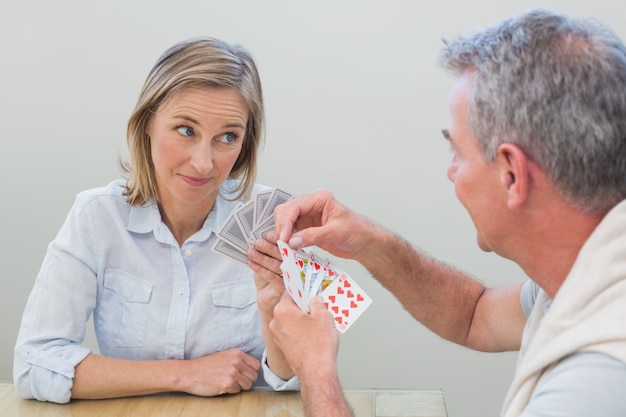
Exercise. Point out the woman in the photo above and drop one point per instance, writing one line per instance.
(169, 313)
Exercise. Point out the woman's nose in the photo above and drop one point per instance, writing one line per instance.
(202, 157)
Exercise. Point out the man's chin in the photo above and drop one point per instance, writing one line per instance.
(483, 245)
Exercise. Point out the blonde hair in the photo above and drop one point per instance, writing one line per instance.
(205, 62)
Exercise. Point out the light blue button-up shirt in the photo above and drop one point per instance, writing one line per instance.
(150, 298)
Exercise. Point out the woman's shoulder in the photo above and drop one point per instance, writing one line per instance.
(112, 191)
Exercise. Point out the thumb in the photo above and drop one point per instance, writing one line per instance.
(317, 307)
(316, 303)
(311, 236)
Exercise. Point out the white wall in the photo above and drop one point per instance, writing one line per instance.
(355, 104)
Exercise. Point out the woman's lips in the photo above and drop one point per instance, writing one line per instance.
(194, 180)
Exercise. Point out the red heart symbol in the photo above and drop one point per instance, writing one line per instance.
(326, 305)
(339, 290)
(359, 297)
(317, 266)
(332, 298)
(335, 309)
(346, 312)
(285, 251)
(347, 284)
(350, 294)
(353, 304)
(300, 263)
(338, 319)
(331, 273)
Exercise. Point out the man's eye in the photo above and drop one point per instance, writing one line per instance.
(185, 131)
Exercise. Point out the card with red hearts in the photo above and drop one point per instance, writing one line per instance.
(346, 301)
(295, 267)
(305, 276)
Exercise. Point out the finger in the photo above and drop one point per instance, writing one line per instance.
(262, 264)
(252, 362)
(316, 307)
(250, 370)
(285, 215)
(244, 383)
(271, 237)
(304, 211)
(268, 248)
(282, 310)
(286, 306)
(247, 378)
(244, 370)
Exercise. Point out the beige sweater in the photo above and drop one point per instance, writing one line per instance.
(587, 314)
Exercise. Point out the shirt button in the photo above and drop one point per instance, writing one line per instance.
(175, 338)
(188, 252)
(181, 290)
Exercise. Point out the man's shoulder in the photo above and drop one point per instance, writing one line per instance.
(582, 384)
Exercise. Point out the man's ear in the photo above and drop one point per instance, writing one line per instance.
(514, 174)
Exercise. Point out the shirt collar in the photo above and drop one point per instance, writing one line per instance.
(146, 218)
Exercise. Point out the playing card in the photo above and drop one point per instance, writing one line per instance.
(247, 222)
(265, 222)
(260, 201)
(262, 228)
(232, 233)
(293, 275)
(244, 216)
(346, 301)
(229, 250)
(277, 197)
(305, 277)
(323, 279)
(316, 269)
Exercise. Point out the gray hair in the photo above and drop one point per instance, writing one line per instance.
(555, 86)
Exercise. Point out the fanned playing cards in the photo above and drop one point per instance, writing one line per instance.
(306, 275)
(247, 222)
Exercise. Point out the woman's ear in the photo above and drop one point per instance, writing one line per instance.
(514, 174)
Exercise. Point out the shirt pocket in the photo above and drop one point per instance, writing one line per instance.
(237, 322)
(126, 302)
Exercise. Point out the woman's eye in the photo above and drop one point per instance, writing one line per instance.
(229, 137)
(185, 131)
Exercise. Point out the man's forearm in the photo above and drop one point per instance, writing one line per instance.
(323, 396)
(439, 296)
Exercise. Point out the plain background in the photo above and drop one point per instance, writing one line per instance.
(355, 103)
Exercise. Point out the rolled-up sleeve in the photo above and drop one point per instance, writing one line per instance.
(55, 317)
(46, 375)
(277, 383)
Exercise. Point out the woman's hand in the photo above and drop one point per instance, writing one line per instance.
(264, 259)
(227, 372)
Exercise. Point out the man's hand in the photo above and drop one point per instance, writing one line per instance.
(310, 342)
(318, 219)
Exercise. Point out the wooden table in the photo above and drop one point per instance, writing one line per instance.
(257, 403)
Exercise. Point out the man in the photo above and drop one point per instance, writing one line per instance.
(538, 131)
